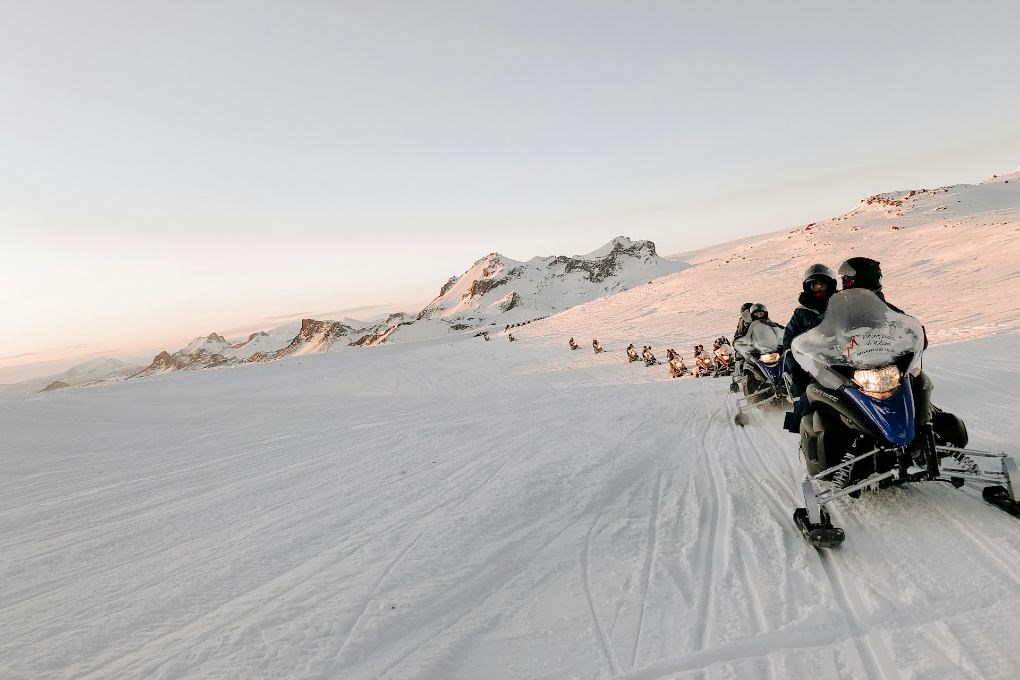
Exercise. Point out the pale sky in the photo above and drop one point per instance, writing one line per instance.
(168, 169)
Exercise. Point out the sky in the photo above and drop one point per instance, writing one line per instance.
(172, 169)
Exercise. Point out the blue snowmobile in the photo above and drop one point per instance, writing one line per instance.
(872, 423)
(759, 378)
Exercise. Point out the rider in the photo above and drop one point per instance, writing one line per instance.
(759, 312)
(864, 272)
(745, 321)
(819, 284)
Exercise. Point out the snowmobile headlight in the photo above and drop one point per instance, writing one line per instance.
(770, 359)
(879, 383)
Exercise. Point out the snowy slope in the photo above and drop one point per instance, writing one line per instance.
(462, 509)
(949, 257)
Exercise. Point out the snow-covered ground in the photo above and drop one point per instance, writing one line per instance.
(453, 508)
(466, 509)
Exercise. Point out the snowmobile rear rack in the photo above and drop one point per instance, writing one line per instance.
(1002, 492)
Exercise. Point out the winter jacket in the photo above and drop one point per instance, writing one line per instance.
(808, 315)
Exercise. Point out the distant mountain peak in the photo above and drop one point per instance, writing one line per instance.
(496, 285)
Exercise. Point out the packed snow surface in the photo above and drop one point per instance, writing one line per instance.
(459, 509)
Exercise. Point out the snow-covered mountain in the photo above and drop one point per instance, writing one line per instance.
(496, 288)
(961, 240)
(86, 373)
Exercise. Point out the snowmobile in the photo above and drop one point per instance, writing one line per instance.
(724, 360)
(864, 431)
(596, 347)
(760, 381)
(632, 354)
(573, 345)
(649, 358)
(677, 367)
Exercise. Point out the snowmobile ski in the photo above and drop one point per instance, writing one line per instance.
(999, 497)
(820, 535)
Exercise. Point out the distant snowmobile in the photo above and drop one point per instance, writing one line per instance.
(596, 347)
(648, 357)
(511, 337)
(632, 354)
(724, 358)
(704, 363)
(677, 367)
(572, 344)
(761, 379)
(865, 431)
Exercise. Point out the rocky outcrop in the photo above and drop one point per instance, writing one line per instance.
(509, 301)
(163, 362)
(55, 385)
(314, 336)
(445, 288)
(382, 331)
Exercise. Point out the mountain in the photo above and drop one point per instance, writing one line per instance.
(92, 371)
(931, 234)
(494, 290)
(316, 336)
(497, 288)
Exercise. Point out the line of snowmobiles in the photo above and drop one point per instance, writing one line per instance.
(871, 423)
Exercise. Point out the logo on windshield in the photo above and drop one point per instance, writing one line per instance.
(850, 346)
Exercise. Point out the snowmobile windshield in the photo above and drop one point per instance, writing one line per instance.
(761, 337)
(858, 331)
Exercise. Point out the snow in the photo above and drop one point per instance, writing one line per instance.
(462, 509)
(452, 508)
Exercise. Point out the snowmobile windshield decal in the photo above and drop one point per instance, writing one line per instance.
(893, 417)
(859, 331)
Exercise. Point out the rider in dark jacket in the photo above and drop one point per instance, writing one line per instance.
(819, 284)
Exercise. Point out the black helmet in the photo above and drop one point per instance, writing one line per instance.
(861, 272)
(758, 308)
(819, 273)
(816, 272)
